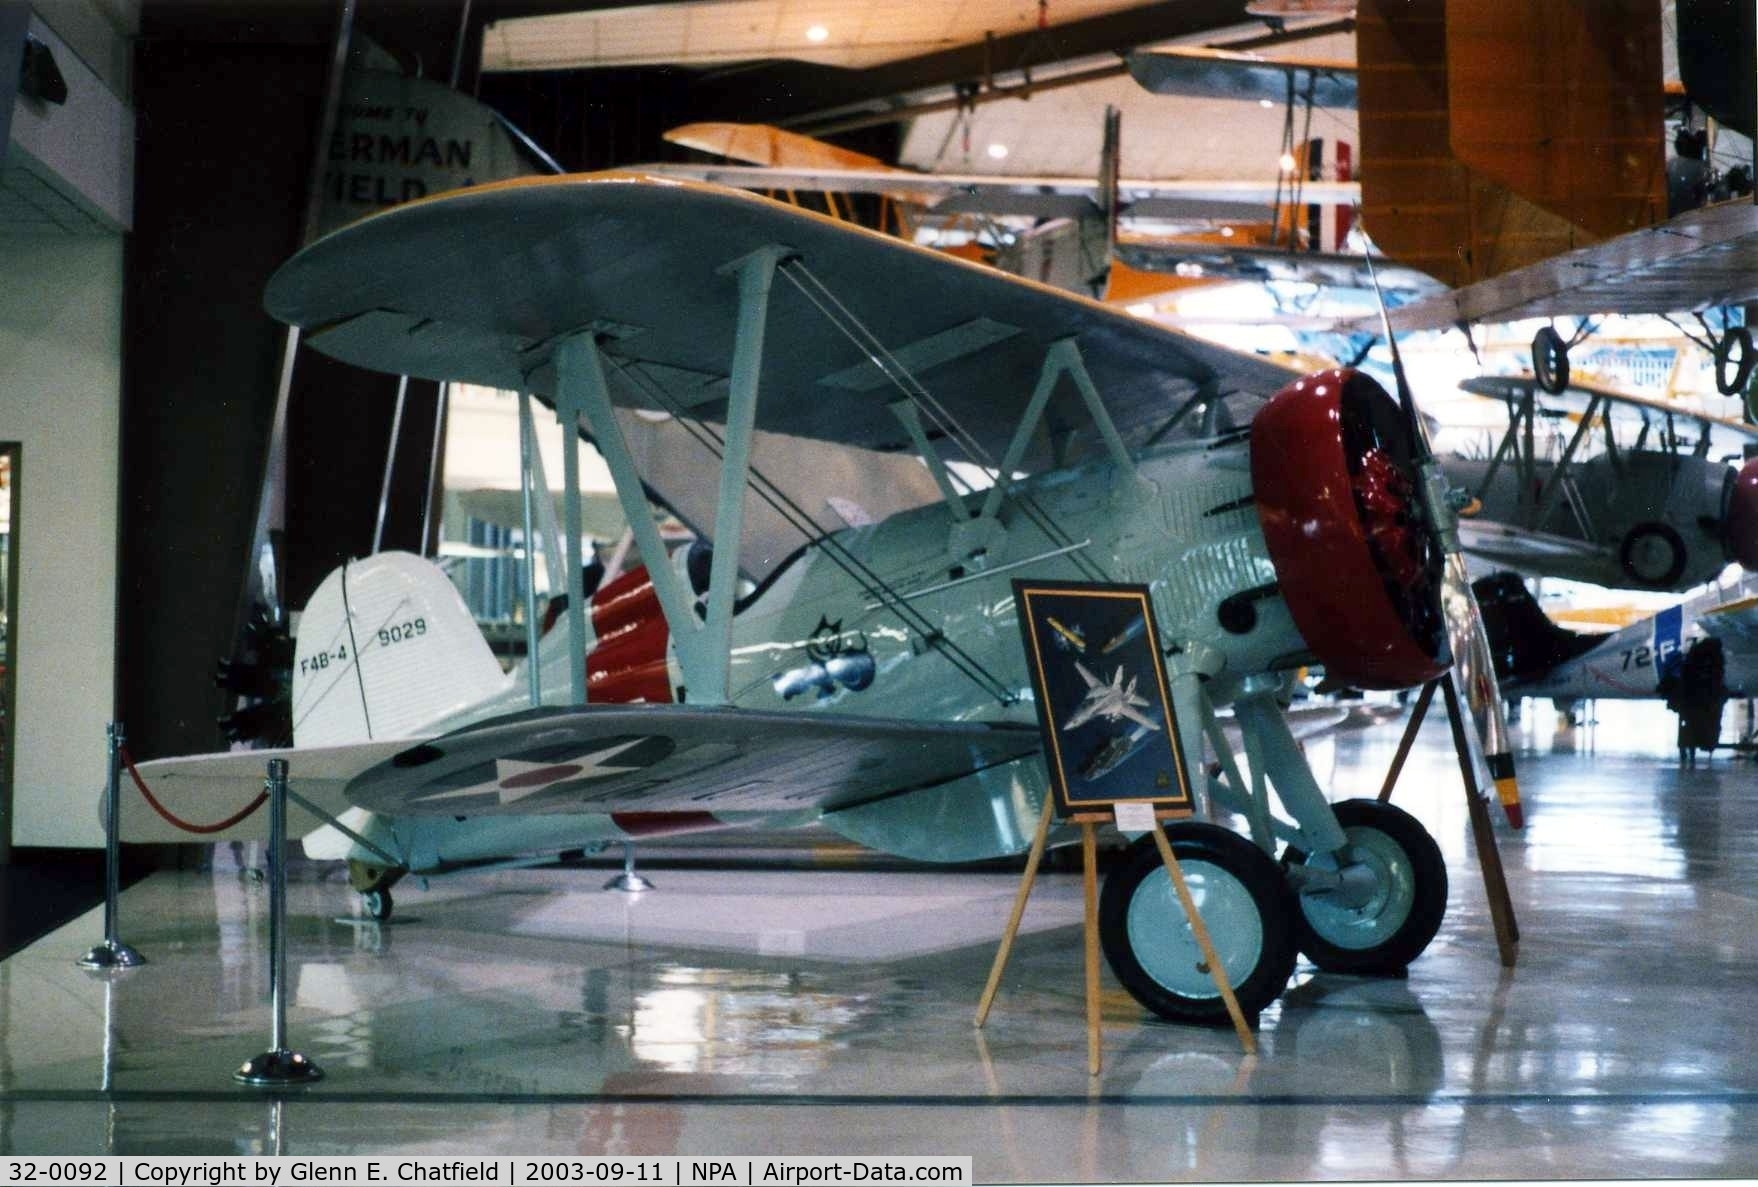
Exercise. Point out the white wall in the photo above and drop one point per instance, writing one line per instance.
(60, 396)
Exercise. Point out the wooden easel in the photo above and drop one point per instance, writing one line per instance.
(1489, 855)
(1090, 888)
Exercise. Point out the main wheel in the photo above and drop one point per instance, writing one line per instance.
(1734, 361)
(1653, 553)
(378, 903)
(1403, 907)
(1242, 899)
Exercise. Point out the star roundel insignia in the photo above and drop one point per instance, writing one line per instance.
(519, 777)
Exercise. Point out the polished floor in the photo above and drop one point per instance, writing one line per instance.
(827, 1008)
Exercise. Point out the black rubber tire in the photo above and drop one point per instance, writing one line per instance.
(1205, 851)
(378, 903)
(1663, 532)
(1735, 346)
(1422, 919)
(1550, 361)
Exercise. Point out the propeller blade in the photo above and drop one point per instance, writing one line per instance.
(1475, 675)
(1473, 671)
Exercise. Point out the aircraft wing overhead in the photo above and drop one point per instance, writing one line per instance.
(483, 285)
(677, 758)
(1697, 260)
(1038, 197)
(1510, 389)
(1259, 264)
(1209, 73)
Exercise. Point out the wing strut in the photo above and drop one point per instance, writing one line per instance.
(1553, 487)
(839, 555)
(703, 648)
(1063, 357)
(851, 327)
(1517, 415)
(911, 418)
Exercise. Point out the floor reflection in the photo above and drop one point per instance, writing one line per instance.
(818, 1010)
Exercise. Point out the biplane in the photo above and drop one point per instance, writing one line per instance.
(869, 678)
(1609, 487)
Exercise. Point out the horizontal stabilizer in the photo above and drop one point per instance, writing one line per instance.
(203, 789)
(1735, 621)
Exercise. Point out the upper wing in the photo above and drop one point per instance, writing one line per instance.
(606, 758)
(1511, 389)
(483, 284)
(1693, 261)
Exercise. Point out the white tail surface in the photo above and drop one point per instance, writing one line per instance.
(386, 648)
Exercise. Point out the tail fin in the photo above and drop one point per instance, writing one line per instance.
(1523, 641)
(385, 647)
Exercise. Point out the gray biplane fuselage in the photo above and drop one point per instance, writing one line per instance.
(1161, 535)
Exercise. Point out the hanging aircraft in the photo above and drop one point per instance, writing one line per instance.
(1102, 236)
(1508, 189)
(1696, 262)
(1320, 533)
(1609, 487)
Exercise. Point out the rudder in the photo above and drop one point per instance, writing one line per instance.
(386, 647)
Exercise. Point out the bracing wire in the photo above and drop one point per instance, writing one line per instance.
(800, 520)
(838, 314)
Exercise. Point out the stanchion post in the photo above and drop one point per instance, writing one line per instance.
(112, 953)
(278, 1067)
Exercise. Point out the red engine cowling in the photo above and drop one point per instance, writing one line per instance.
(1741, 523)
(1335, 483)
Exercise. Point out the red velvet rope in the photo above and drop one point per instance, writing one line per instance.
(200, 829)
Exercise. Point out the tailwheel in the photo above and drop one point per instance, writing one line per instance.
(378, 903)
(374, 886)
(1393, 896)
(1242, 899)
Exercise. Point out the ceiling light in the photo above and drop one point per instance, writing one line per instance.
(817, 33)
(1226, 232)
(997, 152)
(1287, 162)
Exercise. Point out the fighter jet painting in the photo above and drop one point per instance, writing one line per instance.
(1115, 701)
